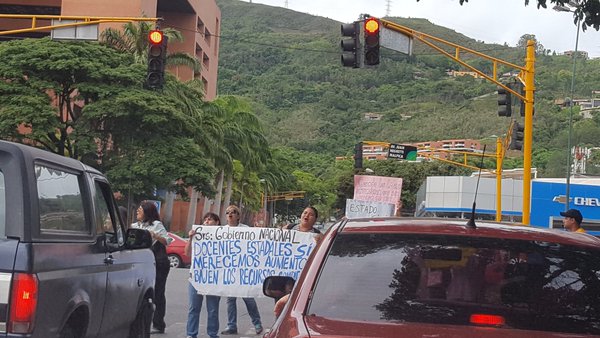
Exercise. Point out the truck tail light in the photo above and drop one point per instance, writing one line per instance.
(23, 303)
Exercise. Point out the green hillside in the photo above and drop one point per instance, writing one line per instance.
(288, 63)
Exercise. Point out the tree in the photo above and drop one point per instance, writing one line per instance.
(87, 101)
(588, 11)
(539, 48)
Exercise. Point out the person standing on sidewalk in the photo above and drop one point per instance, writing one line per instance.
(149, 219)
(195, 299)
(572, 220)
(233, 219)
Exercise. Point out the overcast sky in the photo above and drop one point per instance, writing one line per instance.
(491, 21)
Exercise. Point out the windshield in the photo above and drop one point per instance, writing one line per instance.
(446, 279)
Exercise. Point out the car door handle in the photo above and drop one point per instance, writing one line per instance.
(109, 260)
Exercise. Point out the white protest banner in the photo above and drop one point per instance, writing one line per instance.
(360, 209)
(377, 188)
(234, 261)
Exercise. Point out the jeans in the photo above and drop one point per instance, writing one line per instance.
(232, 312)
(212, 310)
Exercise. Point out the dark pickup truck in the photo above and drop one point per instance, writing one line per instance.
(68, 266)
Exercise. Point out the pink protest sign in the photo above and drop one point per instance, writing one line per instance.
(377, 188)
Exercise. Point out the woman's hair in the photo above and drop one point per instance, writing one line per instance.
(212, 216)
(314, 210)
(234, 207)
(150, 212)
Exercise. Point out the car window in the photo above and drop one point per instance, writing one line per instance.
(2, 206)
(446, 279)
(60, 200)
(106, 216)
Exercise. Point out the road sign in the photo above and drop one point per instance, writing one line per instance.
(402, 152)
(396, 41)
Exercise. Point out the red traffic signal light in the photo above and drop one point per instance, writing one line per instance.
(157, 59)
(372, 27)
(155, 37)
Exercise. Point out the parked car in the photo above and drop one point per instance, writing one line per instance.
(176, 254)
(68, 268)
(399, 277)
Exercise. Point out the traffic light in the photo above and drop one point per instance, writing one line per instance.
(504, 102)
(351, 45)
(372, 28)
(358, 156)
(516, 138)
(157, 59)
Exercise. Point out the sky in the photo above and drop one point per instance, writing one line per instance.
(491, 21)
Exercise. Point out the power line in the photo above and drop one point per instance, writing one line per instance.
(230, 38)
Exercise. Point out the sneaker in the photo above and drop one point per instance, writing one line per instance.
(259, 329)
(229, 331)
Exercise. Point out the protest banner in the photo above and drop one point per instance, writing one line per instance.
(234, 261)
(360, 209)
(377, 188)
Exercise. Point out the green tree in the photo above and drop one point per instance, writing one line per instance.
(86, 101)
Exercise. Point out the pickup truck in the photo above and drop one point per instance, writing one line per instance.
(69, 268)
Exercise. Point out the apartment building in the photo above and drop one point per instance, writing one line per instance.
(199, 21)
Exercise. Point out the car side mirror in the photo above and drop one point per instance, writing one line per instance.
(138, 239)
(278, 286)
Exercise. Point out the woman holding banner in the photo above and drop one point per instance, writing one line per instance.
(233, 219)
(307, 224)
(195, 299)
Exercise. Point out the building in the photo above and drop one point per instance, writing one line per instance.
(444, 148)
(453, 197)
(199, 21)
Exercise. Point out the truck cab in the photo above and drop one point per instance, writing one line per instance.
(69, 267)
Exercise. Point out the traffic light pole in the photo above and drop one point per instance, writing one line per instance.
(528, 139)
(526, 76)
(84, 21)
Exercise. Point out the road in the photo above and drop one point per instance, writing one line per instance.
(177, 307)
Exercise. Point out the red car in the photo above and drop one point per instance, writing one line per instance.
(402, 277)
(175, 252)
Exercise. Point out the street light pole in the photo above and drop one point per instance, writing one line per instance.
(571, 103)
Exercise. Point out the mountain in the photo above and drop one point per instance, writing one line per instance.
(288, 64)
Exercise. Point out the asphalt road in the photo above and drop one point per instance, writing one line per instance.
(177, 308)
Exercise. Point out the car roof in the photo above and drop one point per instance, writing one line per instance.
(445, 226)
(32, 154)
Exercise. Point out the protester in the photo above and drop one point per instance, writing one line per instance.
(233, 219)
(572, 220)
(307, 221)
(148, 219)
(195, 299)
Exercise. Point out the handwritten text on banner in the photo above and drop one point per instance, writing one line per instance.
(234, 261)
(377, 188)
(367, 209)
